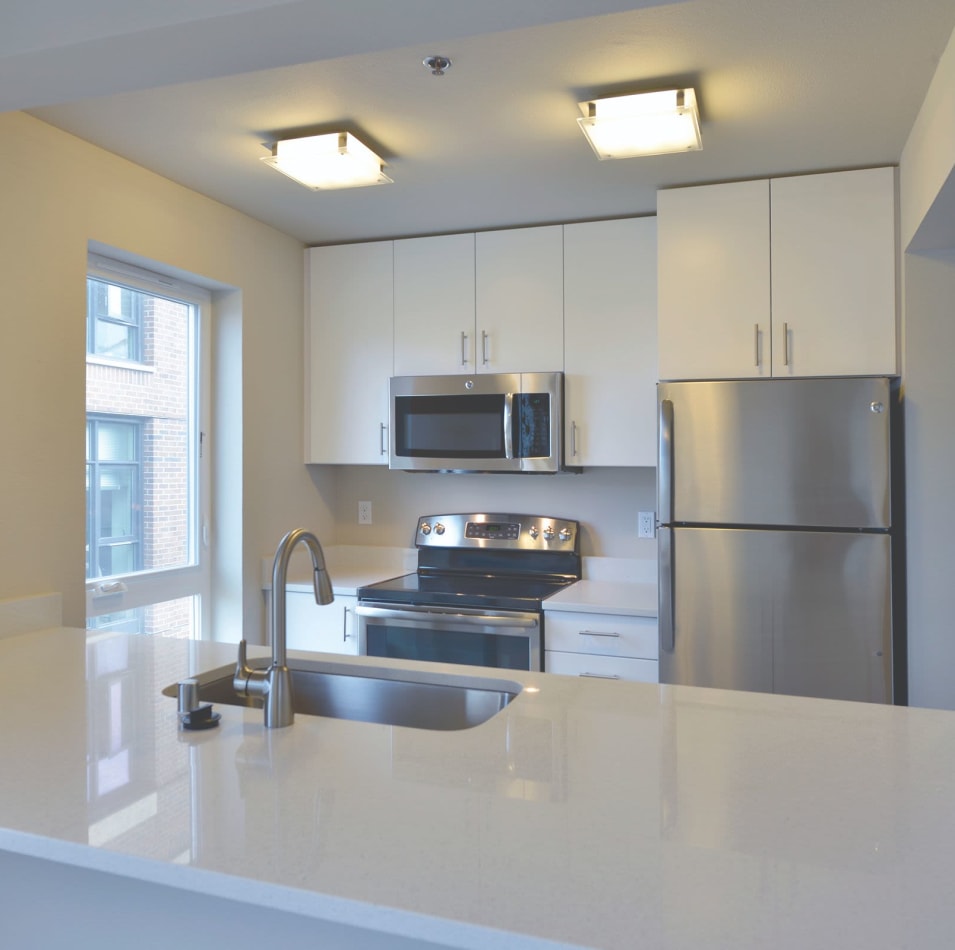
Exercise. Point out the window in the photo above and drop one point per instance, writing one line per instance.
(146, 479)
(114, 496)
(114, 320)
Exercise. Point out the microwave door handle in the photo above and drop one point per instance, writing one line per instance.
(508, 425)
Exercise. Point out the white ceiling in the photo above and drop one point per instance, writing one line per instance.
(192, 88)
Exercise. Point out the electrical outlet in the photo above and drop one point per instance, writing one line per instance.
(364, 512)
(646, 528)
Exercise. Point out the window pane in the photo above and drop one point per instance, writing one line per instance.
(145, 418)
(113, 340)
(117, 558)
(116, 441)
(116, 501)
(114, 320)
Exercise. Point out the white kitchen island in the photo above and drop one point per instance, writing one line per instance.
(586, 813)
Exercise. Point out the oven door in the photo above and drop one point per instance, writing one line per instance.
(504, 639)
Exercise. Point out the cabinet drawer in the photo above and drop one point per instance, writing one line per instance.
(601, 667)
(606, 634)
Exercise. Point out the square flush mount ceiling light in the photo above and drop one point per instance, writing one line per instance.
(335, 160)
(649, 123)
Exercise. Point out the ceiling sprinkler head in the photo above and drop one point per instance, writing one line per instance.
(437, 64)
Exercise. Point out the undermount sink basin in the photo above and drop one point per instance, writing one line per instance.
(420, 699)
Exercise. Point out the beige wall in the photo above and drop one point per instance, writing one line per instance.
(605, 501)
(57, 194)
(927, 184)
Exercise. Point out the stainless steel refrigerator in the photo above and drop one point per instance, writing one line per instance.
(780, 542)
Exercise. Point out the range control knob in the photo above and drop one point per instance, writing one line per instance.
(426, 528)
(548, 532)
(564, 534)
(533, 532)
(439, 528)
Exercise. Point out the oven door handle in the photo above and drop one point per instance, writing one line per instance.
(490, 620)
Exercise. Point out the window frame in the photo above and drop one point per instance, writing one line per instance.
(119, 592)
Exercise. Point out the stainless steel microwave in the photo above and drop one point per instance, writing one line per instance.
(488, 422)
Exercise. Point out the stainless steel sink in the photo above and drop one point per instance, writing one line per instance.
(419, 699)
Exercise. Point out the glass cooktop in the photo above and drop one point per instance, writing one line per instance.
(482, 591)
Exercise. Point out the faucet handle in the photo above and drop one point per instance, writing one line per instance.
(240, 679)
(240, 665)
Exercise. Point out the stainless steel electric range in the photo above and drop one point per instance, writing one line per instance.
(477, 595)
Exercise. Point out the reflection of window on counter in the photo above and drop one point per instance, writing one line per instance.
(131, 775)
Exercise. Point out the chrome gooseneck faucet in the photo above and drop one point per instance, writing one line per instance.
(274, 685)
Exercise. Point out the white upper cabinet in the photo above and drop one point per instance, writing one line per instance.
(610, 336)
(714, 290)
(434, 305)
(519, 297)
(350, 301)
(833, 243)
(783, 277)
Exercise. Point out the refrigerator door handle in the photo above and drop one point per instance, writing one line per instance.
(665, 560)
(665, 456)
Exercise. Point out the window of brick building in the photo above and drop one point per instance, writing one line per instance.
(146, 480)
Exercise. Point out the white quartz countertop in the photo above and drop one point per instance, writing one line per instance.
(349, 567)
(587, 813)
(606, 597)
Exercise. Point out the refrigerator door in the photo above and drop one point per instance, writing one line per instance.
(806, 613)
(780, 452)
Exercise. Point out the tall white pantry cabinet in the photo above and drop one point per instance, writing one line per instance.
(782, 277)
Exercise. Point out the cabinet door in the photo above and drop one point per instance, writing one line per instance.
(520, 300)
(434, 305)
(714, 281)
(610, 339)
(350, 300)
(322, 628)
(834, 274)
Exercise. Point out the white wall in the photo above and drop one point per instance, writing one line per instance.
(58, 193)
(927, 195)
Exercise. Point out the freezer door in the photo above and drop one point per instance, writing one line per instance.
(721, 614)
(832, 615)
(806, 613)
(781, 452)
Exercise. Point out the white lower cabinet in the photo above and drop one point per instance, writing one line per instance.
(324, 628)
(607, 646)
